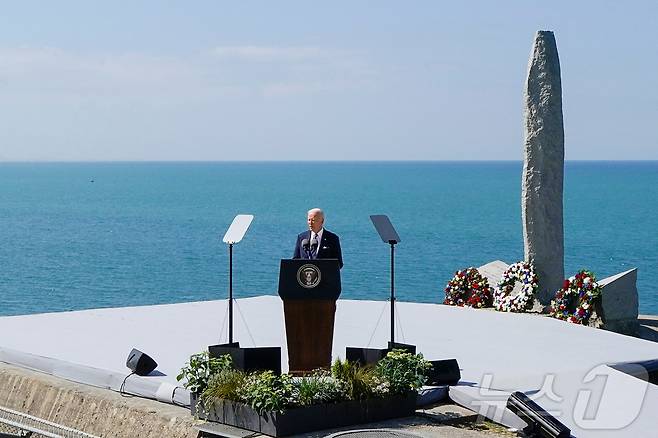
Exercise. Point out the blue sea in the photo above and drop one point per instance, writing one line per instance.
(87, 235)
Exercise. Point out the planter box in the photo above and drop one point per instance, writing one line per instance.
(309, 418)
(215, 413)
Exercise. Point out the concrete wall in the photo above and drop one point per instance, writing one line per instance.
(96, 411)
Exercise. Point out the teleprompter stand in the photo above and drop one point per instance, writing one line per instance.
(371, 355)
(246, 359)
(443, 372)
(309, 290)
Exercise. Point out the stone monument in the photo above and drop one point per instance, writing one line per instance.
(541, 198)
(543, 167)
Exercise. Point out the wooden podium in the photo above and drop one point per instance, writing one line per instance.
(309, 290)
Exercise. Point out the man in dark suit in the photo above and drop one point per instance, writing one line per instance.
(322, 244)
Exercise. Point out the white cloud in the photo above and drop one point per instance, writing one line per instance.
(298, 70)
(285, 71)
(268, 53)
(57, 71)
(60, 104)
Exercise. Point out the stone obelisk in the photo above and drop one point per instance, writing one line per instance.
(543, 166)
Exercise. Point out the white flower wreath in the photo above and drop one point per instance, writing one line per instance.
(523, 272)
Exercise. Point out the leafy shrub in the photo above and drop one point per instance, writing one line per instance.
(200, 368)
(265, 391)
(403, 371)
(318, 388)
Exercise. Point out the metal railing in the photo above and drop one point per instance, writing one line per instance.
(29, 423)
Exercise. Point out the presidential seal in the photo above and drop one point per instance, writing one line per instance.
(308, 276)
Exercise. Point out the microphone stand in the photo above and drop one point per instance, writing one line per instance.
(305, 247)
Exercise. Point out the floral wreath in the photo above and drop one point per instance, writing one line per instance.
(523, 272)
(574, 301)
(468, 288)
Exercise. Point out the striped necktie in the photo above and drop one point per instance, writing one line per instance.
(314, 237)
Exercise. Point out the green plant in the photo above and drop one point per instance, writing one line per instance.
(403, 371)
(200, 368)
(227, 384)
(265, 391)
(359, 382)
(398, 373)
(318, 388)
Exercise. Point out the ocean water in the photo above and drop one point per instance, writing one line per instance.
(87, 235)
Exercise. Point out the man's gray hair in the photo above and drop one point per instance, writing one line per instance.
(316, 211)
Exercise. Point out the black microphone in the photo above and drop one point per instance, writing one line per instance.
(305, 244)
(314, 244)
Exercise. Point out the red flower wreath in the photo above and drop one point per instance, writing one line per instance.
(468, 288)
(575, 300)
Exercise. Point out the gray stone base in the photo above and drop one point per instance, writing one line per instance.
(618, 309)
(492, 271)
(96, 411)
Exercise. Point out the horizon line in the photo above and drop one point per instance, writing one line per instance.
(305, 161)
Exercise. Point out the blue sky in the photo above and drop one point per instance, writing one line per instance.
(345, 80)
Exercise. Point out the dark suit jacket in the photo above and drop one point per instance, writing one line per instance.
(329, 247)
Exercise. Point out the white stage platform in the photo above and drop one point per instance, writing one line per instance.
(562, 366)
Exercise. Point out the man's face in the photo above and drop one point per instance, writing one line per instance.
(315, 221)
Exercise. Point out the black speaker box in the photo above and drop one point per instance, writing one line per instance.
(444, 372)
(250, 359)
(370, 356)
(140, 363)
(365, 356)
